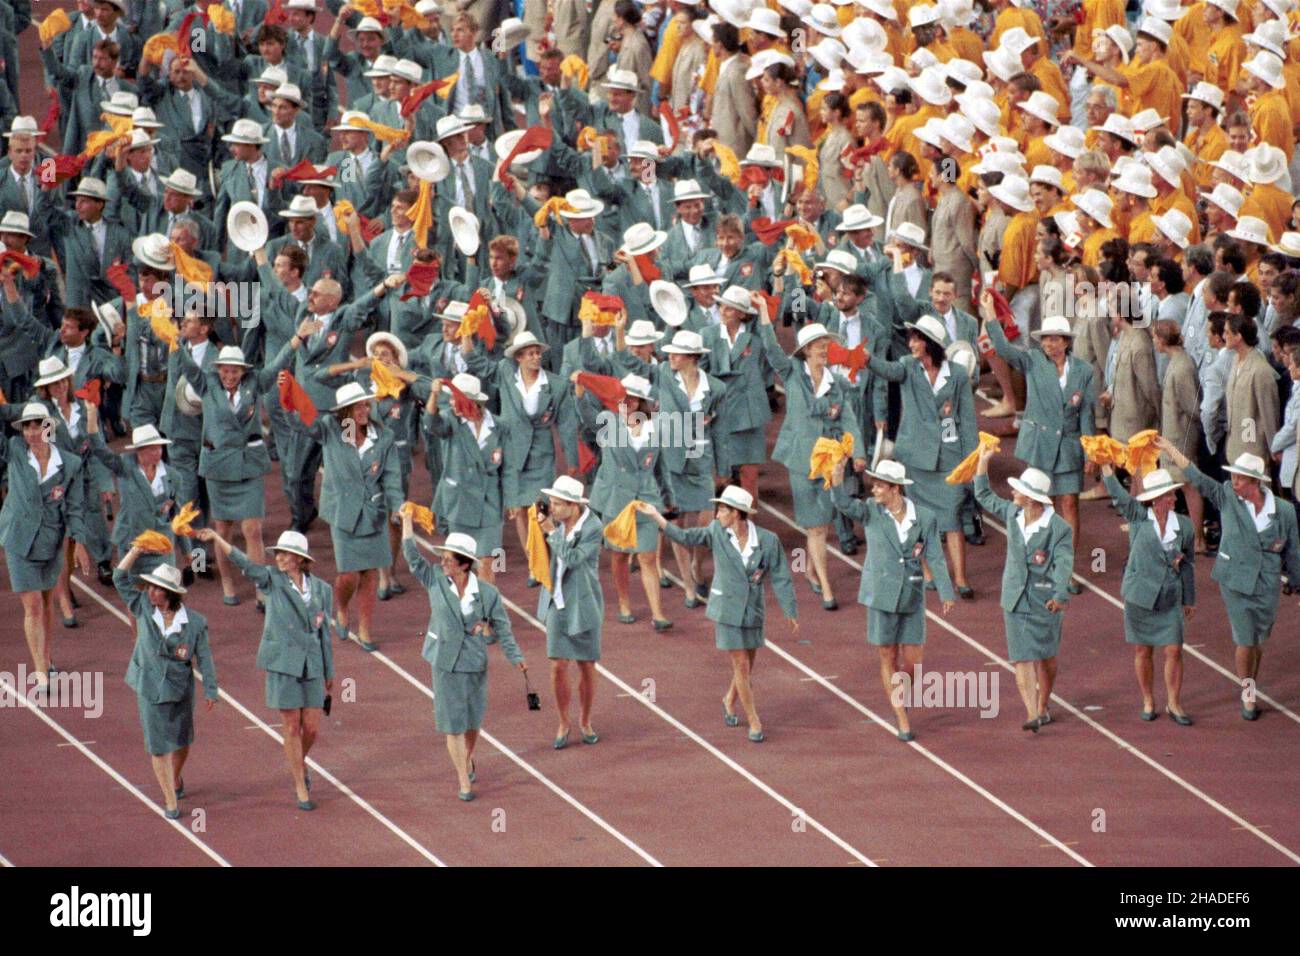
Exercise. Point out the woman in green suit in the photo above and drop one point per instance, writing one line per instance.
(1159, 588)
(170, 640)
(744, 556)
(360, 496)
(1035, 582)
(45, 505)
(632, 468)
(573, 610)
(234, 459)
(1058, 407)
(295, 650)
(938, 428)
(530, 399)
(892, 587)
(469, 496)
(466, 614)
(689, 399)
(818, 405)
(1258, 543)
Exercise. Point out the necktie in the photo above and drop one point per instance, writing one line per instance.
(234, 400)
(252, 185)
(28, 193)
(689, 232)
(467, 190)
(654, 205)
(286, 152)
(589, 247)
(94, 242)
(467, 71)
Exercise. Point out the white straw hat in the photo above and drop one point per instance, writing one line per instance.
(642, 332)
(669, 302)
(1096, 204)
(524, 340)
(810, 333)
(460, 543)
(1157, 483)
(1174, 226)
(1227, 198)
(142, 436)
(292, 542)
(1252, 466)
(1033, 484)
(1014, 191)
(889, 471)
(736, 498)
(1250, 229)
(1054, 325)
(566, 489)
(51, 370)
(686, 342)
(165, 576)
(641, 238)
(1066, 140)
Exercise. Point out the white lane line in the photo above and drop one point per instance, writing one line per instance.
(325, 774)
(1190, 649)
(683, 729)
(527, 767)
(5, 861)
(1115, 738)
(127, 785)
(934, 758)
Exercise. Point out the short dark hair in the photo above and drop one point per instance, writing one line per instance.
(1025, 83)
(904, 163)
(1287, 336)
(84, 318)
(1230, 252)
(727, 36)
(837, 103)
(273, 32)
(1220, 284)
(296, 256)
(875, 111)
(858, 284)
(1217, 322)
(932, 348)
(1167, 331)
(1247, 297)
(109, 48)
(1244, 326)
(1201, 258)
(1171, 275)
(1274, 259)
(628, 12)
(942, 276)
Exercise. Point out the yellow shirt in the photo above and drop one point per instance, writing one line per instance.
(1270, 119)
(1037, 153)
(1208, 145)
(1097, 15)
(1049, 76)
(1016, 268)
(1194, 31)
(1153, 86)
(1179, 57)
(1014, 17)
(1223, 59)
(669, 47)
(1271, 204)
(1178, 200)
(1091, 253)
(1142, 228)
(967, 43)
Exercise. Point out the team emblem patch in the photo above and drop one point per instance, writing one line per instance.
(1076, 399)
(395, 411)
(374, 467)
(320, 619)
(747, 269)
(331, 339)
(1039, 557)
(496, 456)
(648, 460)
(947, 409)
(182, 652)
(56, 493)
(757, 576)
(1276, 546)
(546, 417)
(834, 411)
(918, 549)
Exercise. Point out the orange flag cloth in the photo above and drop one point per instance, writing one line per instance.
(183, 523)
(854, 359)
(621, 532)
(152, 542)
(56, 23)
(539, 555)
(552, 207)
(387, 385)
(826, 454)
(1142, 453)
(421, 215)
(294, 398)
(965, 470)
(606, 388)
(770, 230)
(1104, 450)
(803, 237)
(420, 515)
(192, 270)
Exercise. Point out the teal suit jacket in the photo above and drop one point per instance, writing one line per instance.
(358, 492)
(296, 635)
(470, 491)
(584, 603)
(1150, 567)
(162, 668)
(807, 416)
(1239, 565)
(1038, 570)
(736, 592)
(61, 496)
(893, 579)
(937, 429)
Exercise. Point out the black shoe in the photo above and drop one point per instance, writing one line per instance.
(104, 571)
(187, 577)
(974, 539)
(1074, 587)
(849, 548)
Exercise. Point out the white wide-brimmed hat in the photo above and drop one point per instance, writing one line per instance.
(668, 301)
(51, 370)
(121, 103)
(1008, 164)
(1047, 176)
(505, 144)
(453, 311)
(1014, 191)
(460, 543)
(1144, 121)
(685, 189)
(1054, 325)
(383, 66)
(636, 385)
(245, 131)
(1250, 229)
(154, 251)
(386, 338)
(247, 226)
(889, 471)
(369, 25)
(841, 260)
(761, 154)
(810, 333)
(736, 498)
(300, 207)
(182, 181)
(17, 222)
(292, 542)
(428, 161)
(24, 126)
(513, 32)
(449, 126)
(829, 54)
(958, 131)
(1002, 63)
(1136, 179)
(92, 188)
(1267, 163)
(188, 401)
(642, 332)
(1228, 198)
(641, 238)
(1288, 245)
(350, 394)
(983, 112)
(142, 436)
(232, 355)
(1227, 6)
(931, 132)
(932, 86)
(1157, 29)
(165, 576)
(1119, 126)
(737, 297)
(1168, 164)
(140, 138)
(686, 342)
(1042, 105)
(1096, 204)
(33, 412)
(271, 76)
(857, 217)
(908, 233)
(932, 328)
(470, 386)
(1174, 226)
(407, 70)
(699, 275)
(566, 489)
(1169, 10)
(1033, 484)
(583, 206)
(1157, 483)
(524, 340)
(348, 121)
(464, 227)
(1066, 140)
(1252, 466)
(1235, 164)
(622, 80)
(1206, 93)
(289, 91)
(823, 19)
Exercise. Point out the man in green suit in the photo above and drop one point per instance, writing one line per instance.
(20, 186)
(87, 86)
(576, 255)
(191, 107)
(92, 246)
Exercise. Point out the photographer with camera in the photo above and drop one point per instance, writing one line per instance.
(573, 609)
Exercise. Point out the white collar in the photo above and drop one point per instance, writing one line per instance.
(179, 620)
(909, 519)
(825, 385)
(1028, 531)
(53, 465)
(1170, 530)
(701, 388)
(573, 533)
(941, 379)
(471, 591)
(1261, 517)
(751, 540)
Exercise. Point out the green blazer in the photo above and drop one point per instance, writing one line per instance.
(58, 500)
(1054, 418)
(173, 424)
(569, 272)
(141, 510)
(233, 447)
(1239, 565)
(626, 473)
(1039, 570)
(675, 406)
(736, 592)
(530, 441)
(358, 492)
(1150, 567)
(162, 668)
(937, 429)
(329, 347)
(296, 636)
(743, 368)
(808, 417)
(584, 603)
(470, 491)
(455, 641)
(893, 579)
(96, 362)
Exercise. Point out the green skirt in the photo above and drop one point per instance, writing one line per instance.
(167, 727)
(522, 488)
(1161, 626)
(886, 628)
(930, 491)
(1251, 615)
(25, 575)
(570, 647)
(1067, 482)
(1032, 635)
(692, 492)
(486, 540)
(812, 500)
(731, 638)
(748, 447)
(361, 552)
(236, 500)
(284, 692)
(459, 701)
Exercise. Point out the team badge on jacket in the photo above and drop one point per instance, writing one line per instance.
(182, 652)
(1039, 557)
